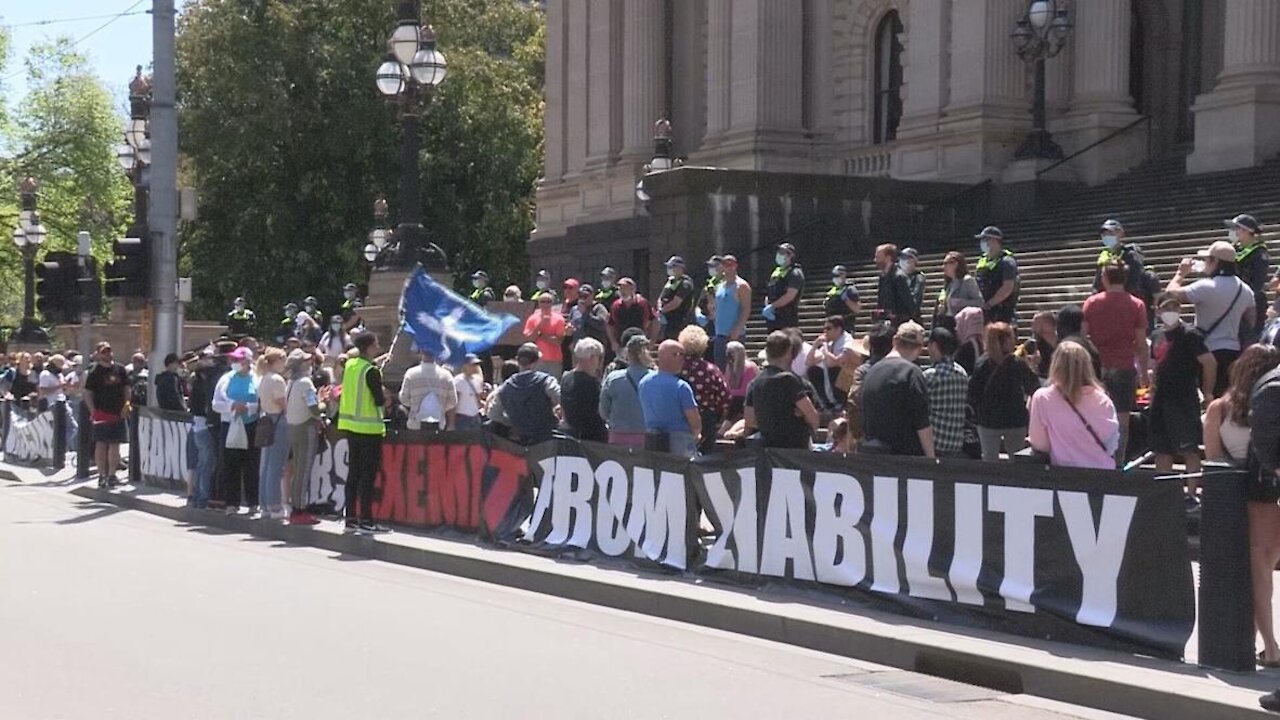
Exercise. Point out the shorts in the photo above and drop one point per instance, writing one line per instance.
(1122, 388)
(110, 431)
(1174, 426)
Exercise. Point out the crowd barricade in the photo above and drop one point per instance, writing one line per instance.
(1081, 556)
(34, 438)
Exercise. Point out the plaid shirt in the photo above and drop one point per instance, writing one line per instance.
(948, 386)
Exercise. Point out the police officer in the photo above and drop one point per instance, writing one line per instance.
(783, 292)
(1138, 281)
(286, 329)
(997, 276)
(715, 276)
(481, 293)
(542, 286)
(1253, 262)
(675, 303)
(608, 291)
(350, 308)
(307, 323)
(241, 321)
(842, 298)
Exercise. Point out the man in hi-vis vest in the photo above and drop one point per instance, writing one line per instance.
(360, 422)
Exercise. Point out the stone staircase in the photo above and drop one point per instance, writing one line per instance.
(1169, 214)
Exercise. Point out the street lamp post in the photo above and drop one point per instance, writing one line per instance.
(135, 153)
(378, 236)
(1038, 36)
(29, 236)
(408, 76)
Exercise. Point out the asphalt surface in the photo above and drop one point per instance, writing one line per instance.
(106, 613)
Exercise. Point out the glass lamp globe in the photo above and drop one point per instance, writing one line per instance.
(390, 78)
(144, 151)
(126, 155)
(405, 41)
(1040, 14)
(19, 237)
(371, 252)
(429, 67)
(135, 132)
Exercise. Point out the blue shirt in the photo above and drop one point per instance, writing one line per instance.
(727, 307)
(664, 398)
(244, 389)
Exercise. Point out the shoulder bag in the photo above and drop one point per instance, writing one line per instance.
(1225, 313)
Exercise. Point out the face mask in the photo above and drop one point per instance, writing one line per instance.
(1233, 235)
(477, 284)
(984, 247)
(291, 314)
(1170, 319)
(1197, 267)
(780, 259)
(542, 284)
(1110, 241)
(239, 307)
(349, 294)
(336, 327)
(837, 279)
(606, 284)
(715, 271)
(905, 265)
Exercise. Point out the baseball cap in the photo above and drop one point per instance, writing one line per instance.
(586, 289)
(788, 248)
(543, 273)
(479, 275)
(627, 281)
(675, 261)
(910, 333)
(990, 231)
(471, 359)
(715, 260)
(608, 272)
(1220, 250)
(241, 354)
(528, 352)
(840, 270)
(1248, 222)
(350, 286)
(1112, 226)
(911, 253)
(291, 306)
(729, 260)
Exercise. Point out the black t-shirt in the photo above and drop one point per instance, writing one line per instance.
(999, 393)
(110, 386)
(782, 280)
(580, 401)
(895, 406)
(1255, 270)
(991, 275)
(773, 395)
(1177, 354)
(893, 296)
(681, 287)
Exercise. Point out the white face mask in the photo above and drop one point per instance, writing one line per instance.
(1110, 241)
(239, 307)
(781, 259)
(837, 279)
(349, 294)
(1170, 318)
(542, 284)
(291, 314)
(905, 265)
(606, 284)
(336, 327)
(1233, 235)
(984, 247)
(715, 270)
(1197, 267)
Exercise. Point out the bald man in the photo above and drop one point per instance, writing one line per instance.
(671, 416)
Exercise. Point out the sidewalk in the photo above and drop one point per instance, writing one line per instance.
(1110, 681)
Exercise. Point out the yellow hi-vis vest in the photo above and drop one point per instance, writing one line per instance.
(357, 412)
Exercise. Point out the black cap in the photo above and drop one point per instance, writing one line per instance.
(839, 270)
(479, 275)
(310, 300)
(291, 306)
(788, 248)
(990, 231)
(608, 272)
(350, 286)
(1248, 222)
(715, 260)
(911, 253)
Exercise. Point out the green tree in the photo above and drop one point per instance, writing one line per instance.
(63, 132)
(288, 143)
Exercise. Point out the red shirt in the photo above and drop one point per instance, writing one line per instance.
(541, 328)
(1114, 318)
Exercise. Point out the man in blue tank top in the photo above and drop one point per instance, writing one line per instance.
(729, 309)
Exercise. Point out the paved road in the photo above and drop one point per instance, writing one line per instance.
(107, 613)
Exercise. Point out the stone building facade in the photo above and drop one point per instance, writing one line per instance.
(911, 90)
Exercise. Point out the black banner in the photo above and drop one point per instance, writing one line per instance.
(160, 452)
(1082, 556)
(34, 438)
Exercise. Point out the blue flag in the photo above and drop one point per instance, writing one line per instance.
(446, 324)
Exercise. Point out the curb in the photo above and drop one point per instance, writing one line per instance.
(903, 651)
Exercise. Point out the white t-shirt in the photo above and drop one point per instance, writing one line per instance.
(469, 389)
(50, 379)
(1213, 298)
(834, 349)
(800, 366)
(300, 397)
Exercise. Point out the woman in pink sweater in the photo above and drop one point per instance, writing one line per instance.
(1072, 419)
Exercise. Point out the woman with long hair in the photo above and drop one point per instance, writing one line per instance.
(271, 397)
(969, 325)
(959, 291)
(303, 424)
(739, 371)
(998, 391)
(1072, 419)
(1226, 437)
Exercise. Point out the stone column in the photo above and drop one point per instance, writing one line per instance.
(1238, 123)
(576, 75)
(554, 121)
(719, 67)
(924, 66)
(1101, 57)
(644, 75)
(985, 70)
(604, 96)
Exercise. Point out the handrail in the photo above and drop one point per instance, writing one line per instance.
(1096, 143)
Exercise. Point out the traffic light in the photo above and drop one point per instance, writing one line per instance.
(89, 289)
(58, 287)
(129, 275)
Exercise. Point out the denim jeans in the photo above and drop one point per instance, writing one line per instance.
(683, 444)
(466, 422)
(271, 472)
(206, 463)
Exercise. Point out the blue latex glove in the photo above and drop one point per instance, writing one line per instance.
(662, 319)
(769, 313)
(700, 318)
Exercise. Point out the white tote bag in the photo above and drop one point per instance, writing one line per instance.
(237, 438)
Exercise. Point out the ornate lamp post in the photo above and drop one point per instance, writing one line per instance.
(379, 235)
(662, 157)
(408, 77)
(135, 153)
(1038, 36)
(29, 236)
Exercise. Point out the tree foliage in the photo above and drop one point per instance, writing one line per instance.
(288, 143)
(63, 132)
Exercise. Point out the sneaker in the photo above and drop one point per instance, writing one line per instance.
(302, 517)
(350, 527)
(232, 510)
(1270, 701)
(102, 482)
(113, 481)
(370, 527)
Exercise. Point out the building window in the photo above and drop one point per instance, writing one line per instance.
(888, 78)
